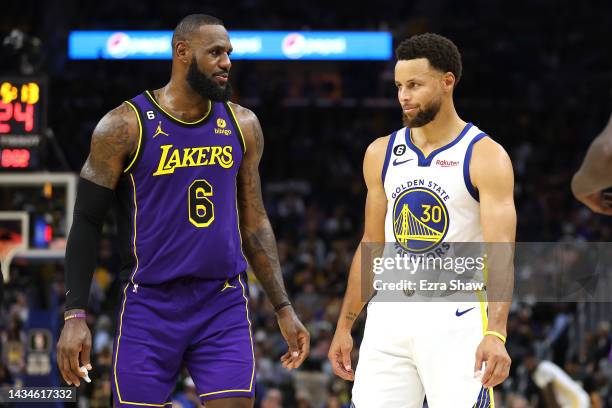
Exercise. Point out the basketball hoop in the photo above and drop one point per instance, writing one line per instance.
(14, 236)
(8, 249)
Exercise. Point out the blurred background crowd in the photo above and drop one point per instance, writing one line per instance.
(537, 78)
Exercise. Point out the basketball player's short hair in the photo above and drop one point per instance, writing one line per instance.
(190, 24)
(442, 53)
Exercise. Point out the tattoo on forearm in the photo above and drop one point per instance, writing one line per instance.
(260, 249)
(351, 316)
(251, 201)
(257, 133)
(259, 243)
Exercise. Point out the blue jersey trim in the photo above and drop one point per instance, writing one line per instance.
(484, 398)
(388, 156)
(466, 166)
(425, 161)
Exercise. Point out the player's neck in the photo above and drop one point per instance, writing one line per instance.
(178, 98)
(442, 130)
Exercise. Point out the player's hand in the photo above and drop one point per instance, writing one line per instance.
(340, 354)
(493, 352)
(75, 339)
(600, 202)
(297, 337)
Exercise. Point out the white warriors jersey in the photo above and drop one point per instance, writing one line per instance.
(431, 199)
(417, 341)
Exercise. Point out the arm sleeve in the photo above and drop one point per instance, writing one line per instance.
(90, 208)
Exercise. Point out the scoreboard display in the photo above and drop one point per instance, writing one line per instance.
(22, 122)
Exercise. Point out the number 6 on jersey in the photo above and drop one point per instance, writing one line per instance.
(201, 209)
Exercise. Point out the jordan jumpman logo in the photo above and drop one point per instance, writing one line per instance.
(226, 285)
(159, 131)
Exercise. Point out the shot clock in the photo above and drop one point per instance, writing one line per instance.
(22, 122)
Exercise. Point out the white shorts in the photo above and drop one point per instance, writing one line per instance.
(411, 350)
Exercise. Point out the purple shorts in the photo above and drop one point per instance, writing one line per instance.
(203, 324)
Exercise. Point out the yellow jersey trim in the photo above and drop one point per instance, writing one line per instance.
(142, 404)
(238, 219)
(244, 146)
(246, 306)
(485, 321)
(123, 311)
(175, 118)
(139, 137)
(135, 215)
(119, 340)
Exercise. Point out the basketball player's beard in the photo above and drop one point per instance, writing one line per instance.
(424, 116)
(205, 86)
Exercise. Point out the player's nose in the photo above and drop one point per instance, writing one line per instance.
(404, 95)
(225, 63)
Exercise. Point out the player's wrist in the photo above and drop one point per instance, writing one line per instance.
(496, 334)
(344, 326)
(283, 308)
(75, 313)
(500, 328)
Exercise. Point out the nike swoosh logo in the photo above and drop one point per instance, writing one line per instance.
(458, 313)
(395, 162)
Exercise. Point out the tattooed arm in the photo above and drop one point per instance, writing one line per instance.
(259, 243)
(114, 140)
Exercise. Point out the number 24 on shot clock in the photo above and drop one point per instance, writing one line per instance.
(22, 121)
(20, 107)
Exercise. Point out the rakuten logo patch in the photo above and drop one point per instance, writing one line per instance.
(447, 163)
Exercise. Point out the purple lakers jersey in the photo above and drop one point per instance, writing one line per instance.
(177, 205)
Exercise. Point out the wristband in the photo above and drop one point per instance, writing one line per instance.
(496, 334)
(77, 315)
(280, 306)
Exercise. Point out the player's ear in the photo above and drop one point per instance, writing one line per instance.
(182, 51)
(448, 81)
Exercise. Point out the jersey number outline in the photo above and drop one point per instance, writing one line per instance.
(201, 209)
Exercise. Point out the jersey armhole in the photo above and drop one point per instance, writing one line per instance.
(466, 166)
(231, 114)
(388, 156)
(135, 157)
